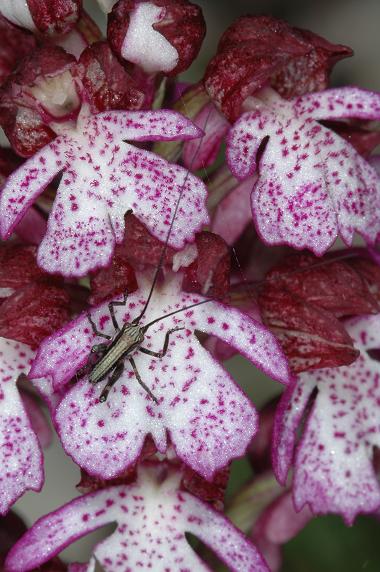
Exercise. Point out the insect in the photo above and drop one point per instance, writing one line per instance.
(126, 341)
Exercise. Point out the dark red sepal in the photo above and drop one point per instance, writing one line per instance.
(18, 265)
(15, 44)
(107, 84)
(332, 284)
(33, 312)
(212, 492)
(142, 248)
(303, 297)
(118, 278)
(369, 272)
(257, 51)
(184, 27)
(310, 336)
(55, 16)
(209, 274)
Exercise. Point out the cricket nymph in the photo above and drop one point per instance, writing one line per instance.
(126, 340)
(120, 347)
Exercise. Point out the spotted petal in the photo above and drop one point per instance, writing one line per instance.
(209, 419)
(20, 454)
(333, 465)
(312, 185)
(104, 178)
(154, 539)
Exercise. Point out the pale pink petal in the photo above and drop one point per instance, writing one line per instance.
(312, 184)
(334, 460)
(32, 227)
(278, 524)
(288, 418)
(20, 454)
(208, 418)
(201, 154)
(153, 539)
(233, 213)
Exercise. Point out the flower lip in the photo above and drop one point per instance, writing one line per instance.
(156, 491)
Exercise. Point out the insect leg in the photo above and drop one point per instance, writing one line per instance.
(112, 380)
(111, 307)
(99, 348)
(138, 377)
(95, 329)
(165, 347)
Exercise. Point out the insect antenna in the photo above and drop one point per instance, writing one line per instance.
(136, 321)
(175, 312)
(258, 283)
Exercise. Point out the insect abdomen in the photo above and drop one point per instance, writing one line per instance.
(128, 339)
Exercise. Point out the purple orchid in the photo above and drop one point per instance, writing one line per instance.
(312, 184)
(333, 463)
(103, 179)
(135, 383)
(209, 419)
(153, 516)
(20, 454)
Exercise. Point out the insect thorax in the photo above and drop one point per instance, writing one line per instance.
(128, 339)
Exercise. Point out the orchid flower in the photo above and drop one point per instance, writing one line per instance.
(20, 453)
(312, 185)
(153, 539)
(209, 419)
(103, 179)
(333, 464)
